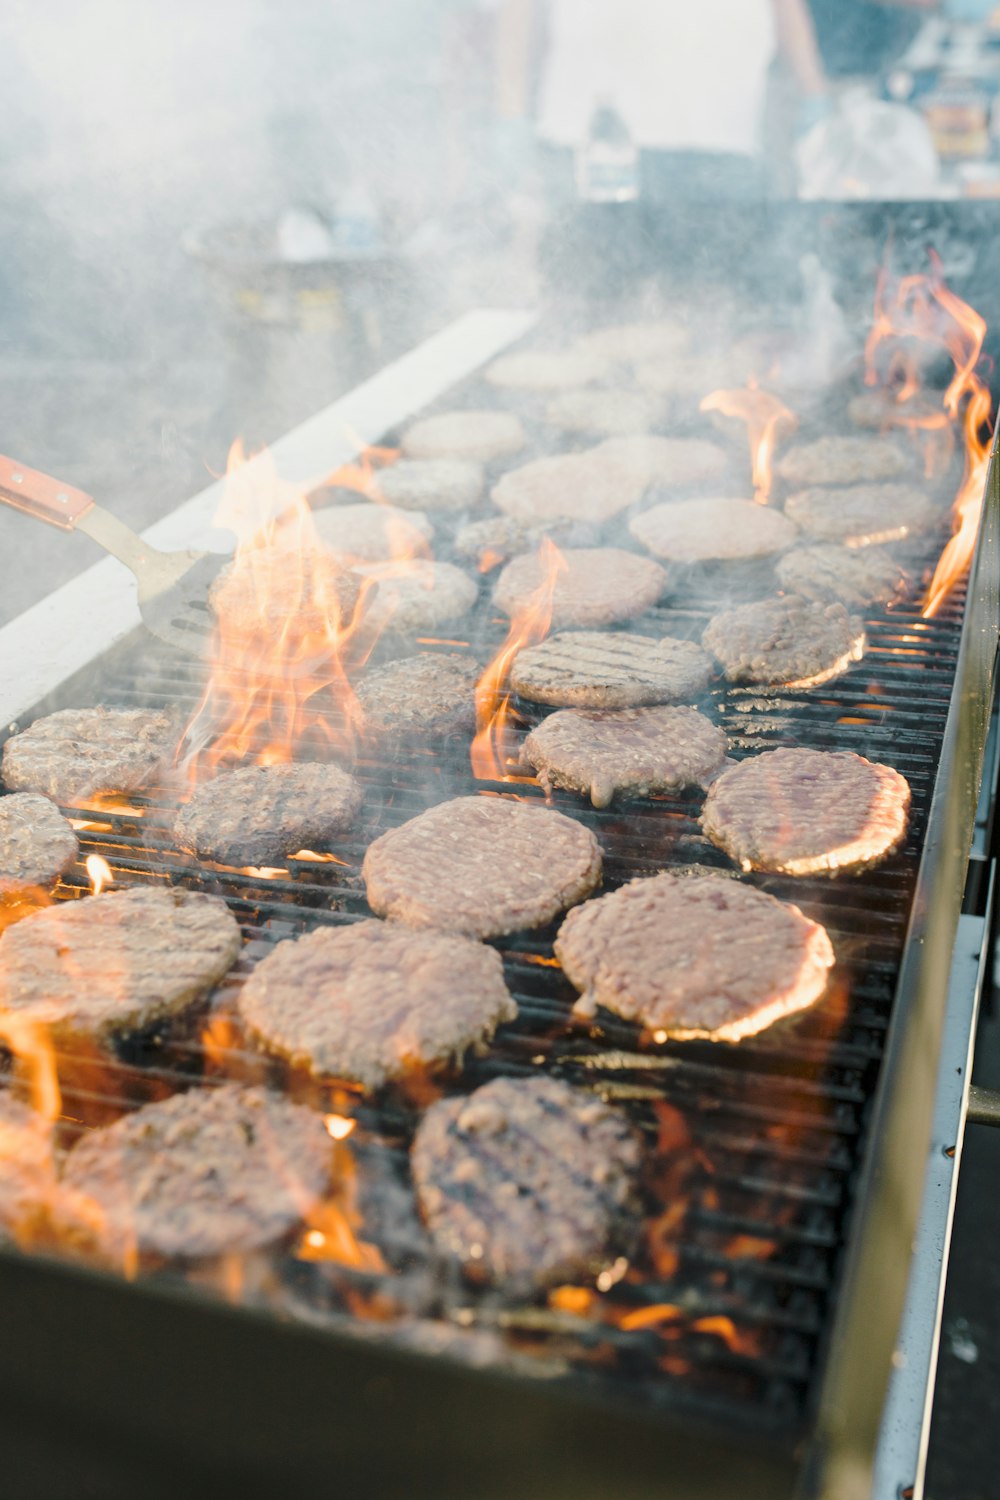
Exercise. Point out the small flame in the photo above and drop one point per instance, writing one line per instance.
(339, 1127)
(527, 627)
(766, 420)
(362, 473)
(99, 873)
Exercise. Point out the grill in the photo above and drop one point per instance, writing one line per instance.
(726, 1323)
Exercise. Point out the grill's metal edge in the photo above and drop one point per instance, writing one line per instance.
(66, 631)
(888, 1201)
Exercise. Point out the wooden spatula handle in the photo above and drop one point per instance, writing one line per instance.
(40, 495)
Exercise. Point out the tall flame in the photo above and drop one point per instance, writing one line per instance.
(528, 626)
(766, 420)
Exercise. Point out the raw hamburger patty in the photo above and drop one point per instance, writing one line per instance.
(260, 814)
(597, 585)
(528, 1182)
(430, 693)
(432, 483)
(211, 1172)
(843, 460)
(107, 965)
(76, 753)
(267, 587)
(646, 458)
(609, 669)
(605, 413)
(694, 957)
(375, 1000)
(565, 487)
(372, 533)
(482, 866)
(36, 842)
(806, 811)
(538, 370)
(787, 641)
(688, 531)
(417, 594)
(858, 576)
(479, 435)
(636, 750)
(632, 343)
(864, 514)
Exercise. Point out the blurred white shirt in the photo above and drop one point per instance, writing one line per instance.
(685, 75)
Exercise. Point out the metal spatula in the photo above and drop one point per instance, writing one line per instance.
(173, 586)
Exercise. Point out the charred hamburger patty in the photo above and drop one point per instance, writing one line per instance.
(376, 1000)
(107, 965)
(687, 531)
(635, 750)
(484, 866)
(430, 693)
(76, 753)
(787, 642)
(801, 812)
(479, 435)
(211, 1172)
(609, 669)
(694, 957)
(592, 585)
(431, 483)
(856, 576)
(565, 487)
(864, 514)
(36, 842)
(843, 460)
(417, 594)
(259, 815)
(527, 1182)
(372, 533)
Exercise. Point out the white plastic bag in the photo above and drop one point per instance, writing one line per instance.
(868, 149)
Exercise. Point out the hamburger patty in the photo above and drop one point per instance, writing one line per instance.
(843, 460)
(372, 533)
(76, 753)
(646, 458)
(605, 413)
(880, 410)
(479, 435)
(636, 750)
(267, 586)
(430, 693)
(431, 483)
(107, 965)
(609, 669)
(632, 343)
(688, 531)
(211, 1172)
(36, 842)
(787, 642)
(858, 576)
(259, 815)
(417, 594)
(697, 374)
(484, 866)
(565, 487)
(527, 1182)
(864, 514)
(593, 586)
(543, 370)
(375, 1000)
(692, 957)
(801, 812)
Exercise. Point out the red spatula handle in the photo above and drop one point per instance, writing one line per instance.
(40, 495)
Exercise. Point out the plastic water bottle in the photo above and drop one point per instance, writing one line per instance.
(607, 163)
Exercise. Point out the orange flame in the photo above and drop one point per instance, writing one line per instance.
(766, 420)
(15, 905)
(333, 1227)
(527, 627)
(100, 873)
(362, 473)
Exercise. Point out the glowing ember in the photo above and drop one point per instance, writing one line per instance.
(528, 626)
(766, 420)
(99, 873)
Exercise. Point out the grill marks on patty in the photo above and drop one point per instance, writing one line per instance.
(374, 1001)
(694, 956)
(78, 753)
(612, 669)
(788, 642)
(259, 815)
(527, 1182)
(37, 844)
(635, 750)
